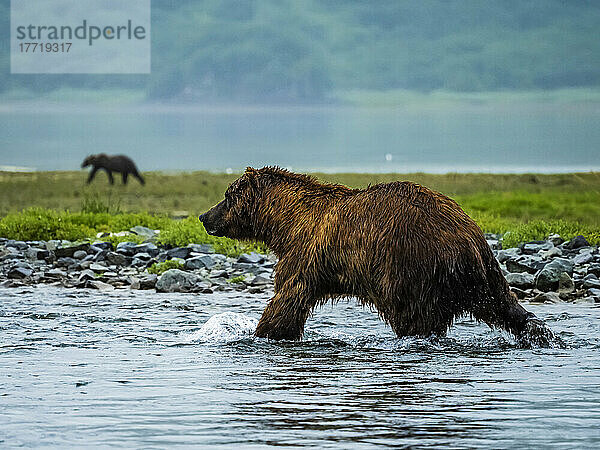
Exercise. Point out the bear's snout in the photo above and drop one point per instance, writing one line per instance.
(210, 224)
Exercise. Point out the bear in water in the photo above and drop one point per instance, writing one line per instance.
(112, 163)
(410, 252)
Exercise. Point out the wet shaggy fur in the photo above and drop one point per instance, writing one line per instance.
(409, 252)
(117, 163)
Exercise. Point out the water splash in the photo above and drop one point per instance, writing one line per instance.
(224, 327)
(538, 335)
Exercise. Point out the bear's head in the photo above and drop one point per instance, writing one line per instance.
(88, 161)
(233, 217)
(94, 160)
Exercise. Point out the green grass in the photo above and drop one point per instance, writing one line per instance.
(162, 267)
(238, 279)
(530, 206)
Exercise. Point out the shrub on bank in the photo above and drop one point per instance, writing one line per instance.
(39, 224)
(162, 267)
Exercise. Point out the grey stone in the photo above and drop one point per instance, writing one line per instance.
(243, 267)
(202, 248)
(86, 274)
(199, 262)
(591, 281)
(175, 280)
(583, 258)
(520, 280)
(70, 251)
(101, 286)
(143, 231)
(533, 247)
(100, 256)
(10, 256)
(85, 265)
(98, 267)
(219, 274)
(134, 283)
(37, 253)
(52, 245)
(97, 246)
(261, 281)
(118, 259)
(577, 242)
(148, 281)
(548, 278)
(143, 256)
(219, 258)
(555, 239)
(594, 269)
(529, 264)
(594, 292)
(565, 284)
(505, 255)
(493, 243)
(256, 289)
(136, 262)
(179, 252)
(546, 297)
(19, 245)
(148, 248)
(19, 273)
(553, 252)
(55, 273)
(252, 258)
(126, 248)
(66, 262)
(79, 254)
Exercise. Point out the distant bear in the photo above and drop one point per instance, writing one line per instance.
(410, 252)
(112, 163)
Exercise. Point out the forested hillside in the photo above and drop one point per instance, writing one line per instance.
(305, 51)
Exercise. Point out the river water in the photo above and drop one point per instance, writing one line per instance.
(139, 369)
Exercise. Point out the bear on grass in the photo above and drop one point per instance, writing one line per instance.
(409, 252)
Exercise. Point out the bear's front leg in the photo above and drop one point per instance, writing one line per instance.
(284, 317)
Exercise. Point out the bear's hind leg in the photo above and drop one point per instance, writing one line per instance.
(508, 314)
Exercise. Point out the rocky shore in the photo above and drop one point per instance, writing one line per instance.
(538, 271)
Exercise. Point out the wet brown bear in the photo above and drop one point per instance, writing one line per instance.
(410, 252)
(112, 163)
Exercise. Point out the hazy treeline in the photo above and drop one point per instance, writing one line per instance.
(304, 51)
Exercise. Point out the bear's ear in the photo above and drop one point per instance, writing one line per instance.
(251, 170)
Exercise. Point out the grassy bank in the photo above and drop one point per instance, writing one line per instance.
(528, 206)
(439, 99)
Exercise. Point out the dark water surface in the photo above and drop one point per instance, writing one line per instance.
(139, 369)
(469, 138)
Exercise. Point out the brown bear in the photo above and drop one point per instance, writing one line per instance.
(411, 253)
(112, 163)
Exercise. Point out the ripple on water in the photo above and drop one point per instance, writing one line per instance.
(139, 369)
